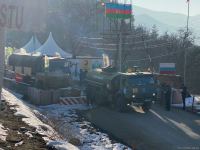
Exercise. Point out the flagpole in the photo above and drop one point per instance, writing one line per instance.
(186, 36)
(188, 17)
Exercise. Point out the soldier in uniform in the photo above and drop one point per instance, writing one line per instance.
(168, 97)
(184, 95)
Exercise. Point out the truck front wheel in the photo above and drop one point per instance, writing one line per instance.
(89, 96)
(146, 107)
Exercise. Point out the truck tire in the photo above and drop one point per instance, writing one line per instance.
(89, 96)
(146, 107)
(121, 104)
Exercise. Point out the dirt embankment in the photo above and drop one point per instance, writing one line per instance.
(20, 135)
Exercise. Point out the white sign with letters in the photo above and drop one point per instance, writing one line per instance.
(23, 15)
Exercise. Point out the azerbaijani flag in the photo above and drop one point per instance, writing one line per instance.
(119, 11)
(100, 3)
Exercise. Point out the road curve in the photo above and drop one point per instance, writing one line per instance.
(155, 130)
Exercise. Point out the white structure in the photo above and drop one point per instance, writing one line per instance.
(30, 47)
(50, 48)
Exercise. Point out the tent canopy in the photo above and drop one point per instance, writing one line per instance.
(30, 47)
(50, 48)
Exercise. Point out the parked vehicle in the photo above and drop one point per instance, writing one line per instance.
(108, 87)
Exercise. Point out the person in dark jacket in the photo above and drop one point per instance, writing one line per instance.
(81, 77)
(184, 95)
(167, 97)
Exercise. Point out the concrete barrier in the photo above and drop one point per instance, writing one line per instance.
(43, 97)
(73, 100)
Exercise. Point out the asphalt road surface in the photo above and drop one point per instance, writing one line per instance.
(156, 130)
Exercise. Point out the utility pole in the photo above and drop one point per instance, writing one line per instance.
(120, 50)
(117, 28)
(149, 56)
(2, 58)
(186, 36)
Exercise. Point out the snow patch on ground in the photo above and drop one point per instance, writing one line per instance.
(30, 117)
(59, 145)
(3, 133)
(72, 126)
(29, 134)
(197, 98)
(66, 121)
(18, 144)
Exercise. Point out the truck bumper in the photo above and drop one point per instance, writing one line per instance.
(141, 102)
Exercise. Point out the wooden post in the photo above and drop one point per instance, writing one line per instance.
(2, 58)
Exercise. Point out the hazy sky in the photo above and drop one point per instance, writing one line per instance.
(177, 6)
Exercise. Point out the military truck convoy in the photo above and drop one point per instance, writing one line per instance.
(108, 87)
(104, 86)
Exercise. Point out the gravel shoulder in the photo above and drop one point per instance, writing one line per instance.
(19, 136)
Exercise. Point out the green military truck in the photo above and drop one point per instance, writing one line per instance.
(111, 88)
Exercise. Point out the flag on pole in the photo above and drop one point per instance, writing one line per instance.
(100, 3)
(167, 68)
(118, 11)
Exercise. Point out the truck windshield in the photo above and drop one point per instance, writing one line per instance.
(142, 80)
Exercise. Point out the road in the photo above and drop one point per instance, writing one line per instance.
(155, 130)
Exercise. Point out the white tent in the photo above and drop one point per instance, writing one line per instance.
(50, 48)
(30, 47)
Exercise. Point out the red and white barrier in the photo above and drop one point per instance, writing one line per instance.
(73, 100)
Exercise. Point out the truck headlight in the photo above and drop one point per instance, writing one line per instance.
(154, 94)
(108, 86)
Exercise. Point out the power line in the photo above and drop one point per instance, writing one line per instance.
(160, 56)
(99, 48)
(137, 48)
(92, 38)
(114, 44)
(114, 33)
(99, 44)
(142, 42)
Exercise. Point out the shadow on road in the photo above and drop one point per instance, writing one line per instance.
(154, 130)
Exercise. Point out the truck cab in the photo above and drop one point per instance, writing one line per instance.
(138, 89)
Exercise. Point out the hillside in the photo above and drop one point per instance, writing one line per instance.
(165, 21)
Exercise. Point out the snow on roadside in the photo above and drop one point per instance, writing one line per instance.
(72, 126)
(62, 145)
(3, 133)
(30, 118)
(197, 98)
(66, 121)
